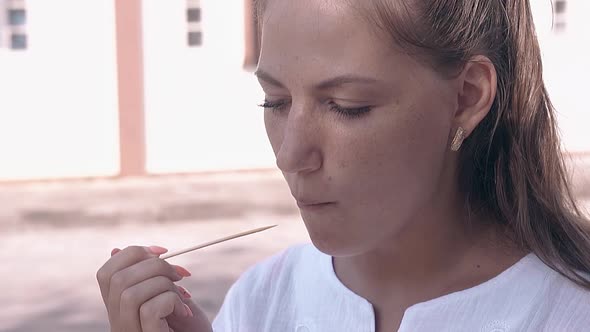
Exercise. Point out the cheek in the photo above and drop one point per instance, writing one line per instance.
(399, 157)
(425, 136)
(274, 130)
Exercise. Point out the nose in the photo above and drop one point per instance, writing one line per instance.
(300, 149)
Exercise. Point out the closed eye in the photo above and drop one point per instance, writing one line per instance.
(349, 112)
(274, 105)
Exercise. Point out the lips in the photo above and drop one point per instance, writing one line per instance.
(303, 204)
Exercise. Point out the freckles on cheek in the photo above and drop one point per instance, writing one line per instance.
(387, 150)
(363, 155)
(422, 148)
(274, 133)
(419, 130)
(351, 155)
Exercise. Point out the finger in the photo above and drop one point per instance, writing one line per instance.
(135, 296)
(135, 274)
(153, 313)
(184, 293)
(197, 319)
(125, 258)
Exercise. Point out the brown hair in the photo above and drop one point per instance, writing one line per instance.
(512, 166)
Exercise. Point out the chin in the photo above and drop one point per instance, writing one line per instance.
(334, 241)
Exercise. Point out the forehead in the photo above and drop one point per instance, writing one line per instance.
(322, 34)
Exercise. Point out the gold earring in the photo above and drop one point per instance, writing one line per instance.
(458, 139)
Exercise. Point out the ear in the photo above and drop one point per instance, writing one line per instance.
(477, 91)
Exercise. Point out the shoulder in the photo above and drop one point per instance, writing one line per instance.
(565, 305)
(570, 304)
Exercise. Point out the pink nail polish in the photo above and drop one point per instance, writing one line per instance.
(182, 271)
(115, 251)
(185, 293)
(156, 250)
(188, 310)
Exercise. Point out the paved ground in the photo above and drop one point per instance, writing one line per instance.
(54, 236)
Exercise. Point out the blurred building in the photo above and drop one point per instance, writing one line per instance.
(13, 24)
(102, 88)
(565, 44)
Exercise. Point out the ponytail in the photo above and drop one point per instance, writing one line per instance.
(531, 189)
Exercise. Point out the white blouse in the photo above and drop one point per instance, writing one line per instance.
(297, 290)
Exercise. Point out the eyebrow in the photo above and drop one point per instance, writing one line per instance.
(324, 85)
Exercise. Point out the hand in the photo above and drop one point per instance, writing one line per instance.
(139, 293)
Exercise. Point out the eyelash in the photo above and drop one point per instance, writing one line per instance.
(349, 112)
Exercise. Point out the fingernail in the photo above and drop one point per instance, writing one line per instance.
(188, 310)
(185, 293)
(156, 250)
(182, 271)
(114, 251)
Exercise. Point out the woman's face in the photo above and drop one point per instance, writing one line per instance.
(352, 122)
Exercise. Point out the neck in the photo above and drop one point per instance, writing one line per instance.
(439, 253)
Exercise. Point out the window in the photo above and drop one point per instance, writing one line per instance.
(193, 19)
(193, 14)
(18, 41)
(560, 6)
(17, 17)
(195, 38)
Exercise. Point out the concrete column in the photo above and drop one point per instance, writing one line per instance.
(130, 87)
(250, 36)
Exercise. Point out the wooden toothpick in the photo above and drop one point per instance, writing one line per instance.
(206, 244)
